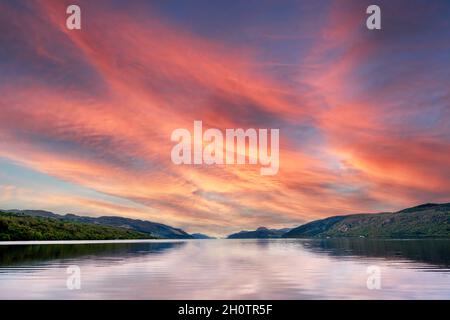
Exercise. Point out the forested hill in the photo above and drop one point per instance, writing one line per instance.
(424, 221)
(155, 229)
(19, 227)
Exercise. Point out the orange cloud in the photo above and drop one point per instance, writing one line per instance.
(112, 135)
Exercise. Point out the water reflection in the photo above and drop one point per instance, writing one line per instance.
(228, 269)
(40, 254)
(433, 252)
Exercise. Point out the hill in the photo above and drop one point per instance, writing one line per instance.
(19, 227)
(158, 230)
(201, 236)
(260, 233)
(424, 221)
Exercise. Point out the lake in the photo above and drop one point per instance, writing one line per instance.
(228, 269)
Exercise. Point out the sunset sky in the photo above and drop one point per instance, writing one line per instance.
(86, 115)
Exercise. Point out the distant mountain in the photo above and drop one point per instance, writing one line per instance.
(155, 229)
(425, 221)
(201, 236)
(260, 233)
(20, 227)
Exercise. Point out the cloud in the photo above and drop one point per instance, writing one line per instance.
(95, 108)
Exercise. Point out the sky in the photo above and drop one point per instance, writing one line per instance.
(86, 115)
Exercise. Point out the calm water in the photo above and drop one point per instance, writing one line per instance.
(228, 269)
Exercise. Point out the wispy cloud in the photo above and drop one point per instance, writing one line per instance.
(363, 118)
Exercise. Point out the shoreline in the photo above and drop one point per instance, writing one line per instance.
(49, 242)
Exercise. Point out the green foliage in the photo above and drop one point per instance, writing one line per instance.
(425, 221)
(16, 227)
